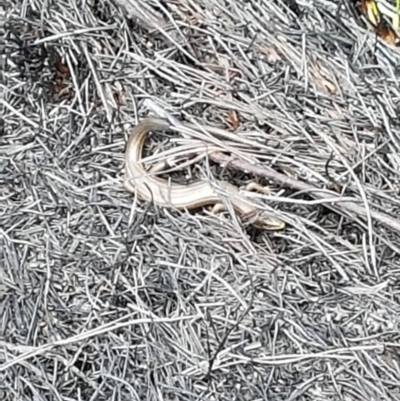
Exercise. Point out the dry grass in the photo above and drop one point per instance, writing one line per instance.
(105, 297)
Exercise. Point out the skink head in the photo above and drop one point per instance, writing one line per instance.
(263, 222)
(269, 223)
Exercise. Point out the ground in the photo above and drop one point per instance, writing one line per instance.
(104, 296)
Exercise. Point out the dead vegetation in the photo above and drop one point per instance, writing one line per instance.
(106, 297)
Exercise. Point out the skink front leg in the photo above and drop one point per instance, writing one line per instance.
(257, 187)
(219, 208)
(159, 167)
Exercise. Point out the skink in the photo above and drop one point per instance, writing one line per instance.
(191, 196)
